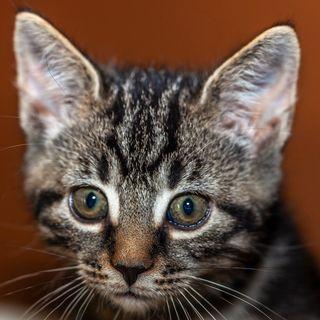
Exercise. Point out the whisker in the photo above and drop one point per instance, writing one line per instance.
(85, 305)
(191, 155)
(185, 311)
(33, 286)
(207, 301)
(61, 303)
(296, 247)
(92, 297)
(238, 268)
(192, 306)
(34, 274)
(73, 304)
(18, 146)
(168, 307)
(82, 304)
(117, 315)
(55, 299)
(174, 307)
(241, 294)
(104, 299)
(39, 251)
(47, 296)
(243, 300)
(52, 76)
(199, 302)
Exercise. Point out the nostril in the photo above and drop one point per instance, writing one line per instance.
(130, 274)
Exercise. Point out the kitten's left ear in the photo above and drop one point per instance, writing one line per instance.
(54, 79)
(252, 95)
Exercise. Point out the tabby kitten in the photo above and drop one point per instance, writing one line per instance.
(163, 186)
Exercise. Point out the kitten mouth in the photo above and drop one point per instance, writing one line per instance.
(129, 294)
(132, 302)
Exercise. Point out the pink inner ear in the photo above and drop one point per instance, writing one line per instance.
(266, 133)
(229, 124)
(264, 115)
(42, 109)
(42, 90)
(274, 123)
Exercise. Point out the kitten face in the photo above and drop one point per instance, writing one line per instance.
(141, 140)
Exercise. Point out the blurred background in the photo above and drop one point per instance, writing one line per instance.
(195, 34)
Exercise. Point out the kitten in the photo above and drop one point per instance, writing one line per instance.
(163, 186)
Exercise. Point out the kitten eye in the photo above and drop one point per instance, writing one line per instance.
(188, 211)
(88, 203)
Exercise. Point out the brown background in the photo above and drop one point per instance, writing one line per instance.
(175, 33)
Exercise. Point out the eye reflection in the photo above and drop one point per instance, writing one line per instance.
(88, 203)
(188, 211)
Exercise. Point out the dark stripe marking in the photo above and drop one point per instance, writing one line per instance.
(116, 112)
(46, 199)
(113, 145)
(159, 243)
(196, 171)
(59, 241)
(85, 166)
(244, 216)
(52, 225)
(137, 132)
(246, 258)
(175, 174)
(173, 121)
(103, 169)
(110, 239)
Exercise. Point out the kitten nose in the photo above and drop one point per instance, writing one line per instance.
(130, 274)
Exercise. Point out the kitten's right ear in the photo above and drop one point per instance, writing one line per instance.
(251, 96)
(54, 79)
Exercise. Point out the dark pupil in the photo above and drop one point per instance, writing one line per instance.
(91, 200)
(188, 206)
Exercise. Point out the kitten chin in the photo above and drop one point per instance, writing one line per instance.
(131, 304)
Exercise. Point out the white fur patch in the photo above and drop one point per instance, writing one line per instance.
(113, 201)
(160, 206)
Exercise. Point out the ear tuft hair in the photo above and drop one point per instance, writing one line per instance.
(53, 77)
(251, 96)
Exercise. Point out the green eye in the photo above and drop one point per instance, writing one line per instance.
(188, 211)
(88, 203)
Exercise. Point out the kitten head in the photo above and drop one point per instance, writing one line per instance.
(152, 178)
